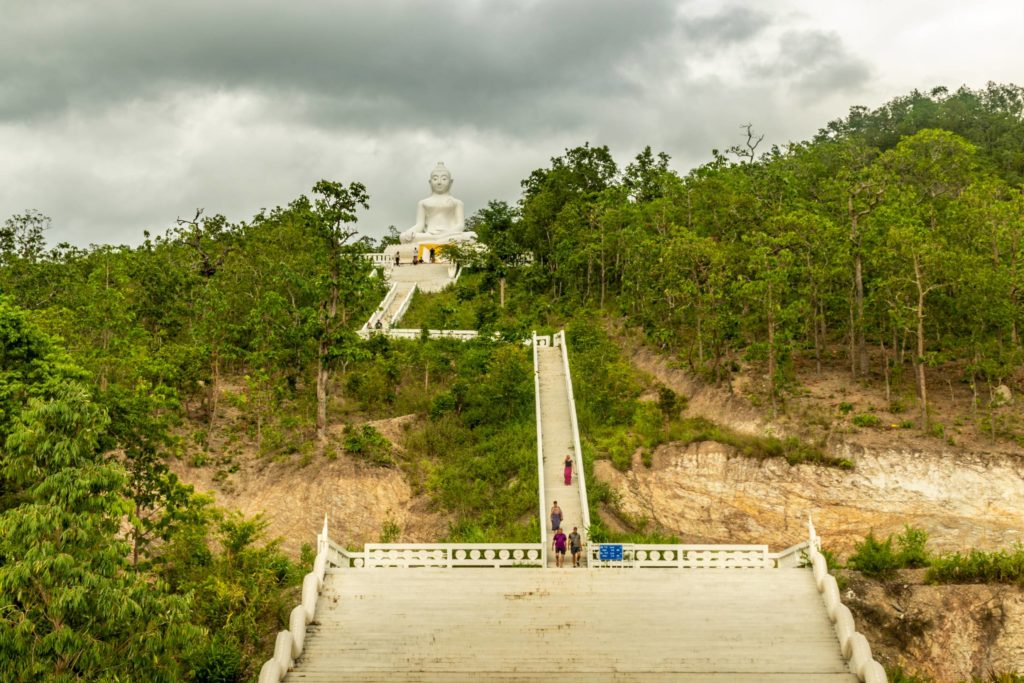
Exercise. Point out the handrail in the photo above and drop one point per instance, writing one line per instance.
(452, 555)
(403, 307)
(793, 556)
(290, 643)
(382, 308)
(540, 450)
(679, 556)
(379, 258)
(559, 340)
(412, 333)
(853, 644)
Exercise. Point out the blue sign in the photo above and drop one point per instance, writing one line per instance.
(610, 552)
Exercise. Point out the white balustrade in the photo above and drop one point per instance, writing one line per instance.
(451, 555)
(540, 449)
(410, 333)
(793, 556)
(403, 307)
(853, 644)
(289, 644)
(380, 259)
(378, 315)
(655, 556)
(581, 480)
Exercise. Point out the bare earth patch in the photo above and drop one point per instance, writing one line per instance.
(357, 498)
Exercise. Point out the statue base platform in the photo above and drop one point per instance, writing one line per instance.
(424, 252)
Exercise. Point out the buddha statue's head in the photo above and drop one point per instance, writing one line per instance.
(440, 179)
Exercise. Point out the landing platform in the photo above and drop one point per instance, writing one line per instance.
(575, 625)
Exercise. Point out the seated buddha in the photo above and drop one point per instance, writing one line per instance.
(440, 218)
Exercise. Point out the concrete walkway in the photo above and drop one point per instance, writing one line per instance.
(596, 626)
(429, 277)
(558, 443)
(426, 277)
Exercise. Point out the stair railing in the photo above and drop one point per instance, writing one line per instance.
(289, 644)
(540, 451)
(403, 307)
(853, 644)
(581, 479)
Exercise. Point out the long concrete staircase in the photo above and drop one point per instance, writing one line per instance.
(449, 613)
(557, 443)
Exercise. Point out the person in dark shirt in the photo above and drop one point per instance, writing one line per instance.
(559, 545)
(575, 547)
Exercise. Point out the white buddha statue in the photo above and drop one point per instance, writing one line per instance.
(440, 218)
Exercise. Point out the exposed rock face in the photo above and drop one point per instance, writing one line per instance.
(706, 493)
(357, 498)
(949, 633)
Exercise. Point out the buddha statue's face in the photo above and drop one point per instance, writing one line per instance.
(440, 181)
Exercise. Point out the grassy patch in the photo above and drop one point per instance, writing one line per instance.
(794, 451)
(979, 566)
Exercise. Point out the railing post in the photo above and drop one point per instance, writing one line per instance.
(540, 456)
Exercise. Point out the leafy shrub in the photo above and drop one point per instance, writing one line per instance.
(369, 444)
(390, 531)
(648, 424)
(912, 551)
(874, 557)
(218, 661)
(670, 402)
(442, 403)
(866, 420)
(896, 674)
(881, 558)
(845, 407)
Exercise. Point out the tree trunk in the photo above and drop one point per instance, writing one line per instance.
(214, 393)
(323, 348)
(321, 391)
(858, 284)
(919, 356)
(771, 351)
(853, 341)
(700, 343)
(885, 370)
(501, 291)
(857, 333)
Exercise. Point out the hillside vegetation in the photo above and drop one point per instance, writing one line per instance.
(891, 240)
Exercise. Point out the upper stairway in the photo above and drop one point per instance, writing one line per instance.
(557, 442)
(577, 625)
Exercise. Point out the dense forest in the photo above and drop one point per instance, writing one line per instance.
(891, 240)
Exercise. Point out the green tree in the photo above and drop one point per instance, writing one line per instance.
(73, 608)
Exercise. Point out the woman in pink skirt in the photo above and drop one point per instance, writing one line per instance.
(568, 470)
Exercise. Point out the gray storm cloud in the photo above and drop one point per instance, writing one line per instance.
(119, 116)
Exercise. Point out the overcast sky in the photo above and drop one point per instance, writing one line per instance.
(118, 116)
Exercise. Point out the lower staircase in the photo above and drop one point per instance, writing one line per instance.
(576, 625)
